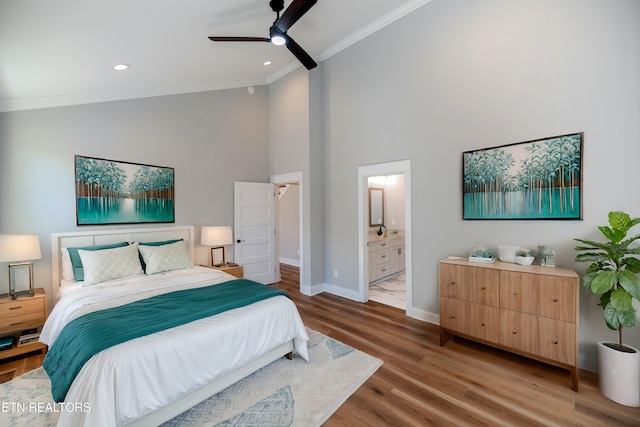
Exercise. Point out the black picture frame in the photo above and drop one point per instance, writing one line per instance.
(120, 192)
(538, 179)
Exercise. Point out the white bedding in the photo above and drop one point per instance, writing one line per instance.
(149, 372)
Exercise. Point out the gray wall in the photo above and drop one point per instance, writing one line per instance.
(211, 139)
(296, 123)
(458, 75)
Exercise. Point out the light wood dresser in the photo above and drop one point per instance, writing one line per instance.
(528, 310)
(22, 314)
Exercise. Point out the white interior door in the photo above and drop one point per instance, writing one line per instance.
(255, 230)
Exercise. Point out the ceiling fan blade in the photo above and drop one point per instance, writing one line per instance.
(294, 12)
(239, 39)
(299, 53)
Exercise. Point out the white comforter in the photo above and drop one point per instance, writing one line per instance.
(131, 379)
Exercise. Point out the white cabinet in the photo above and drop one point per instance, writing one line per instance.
(386, 258)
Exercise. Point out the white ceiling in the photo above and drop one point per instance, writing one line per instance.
(61, 52)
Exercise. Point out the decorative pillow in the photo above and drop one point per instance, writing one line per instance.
(76, 262)
(168, 257)
(164, 242)
(67, 267)
(109, 264)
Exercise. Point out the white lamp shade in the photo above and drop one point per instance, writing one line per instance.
(216, 236)
(19, 247)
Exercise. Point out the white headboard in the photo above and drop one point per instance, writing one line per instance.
(105, 237)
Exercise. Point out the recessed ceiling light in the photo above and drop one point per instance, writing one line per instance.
(120, 67)
(267, 63)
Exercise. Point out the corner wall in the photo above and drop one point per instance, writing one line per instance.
(474, 75)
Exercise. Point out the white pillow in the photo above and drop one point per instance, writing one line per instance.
(67, 267)
(165, 258)
(109, 264)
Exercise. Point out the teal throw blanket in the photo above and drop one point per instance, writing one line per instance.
(87, 335)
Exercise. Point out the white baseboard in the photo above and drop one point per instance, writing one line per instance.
(290, 261)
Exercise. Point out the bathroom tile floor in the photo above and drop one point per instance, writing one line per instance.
(390, 292)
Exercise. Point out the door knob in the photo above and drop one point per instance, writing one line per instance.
(238, 241)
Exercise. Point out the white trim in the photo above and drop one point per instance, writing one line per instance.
(402, 167)
(287, 178)
(290, 261)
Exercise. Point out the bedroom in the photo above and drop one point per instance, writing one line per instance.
(477, 75)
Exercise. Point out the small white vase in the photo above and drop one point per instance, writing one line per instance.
(619, 375)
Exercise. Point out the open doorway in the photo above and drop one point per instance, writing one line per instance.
(366, 260)
(291, 223)
(386, 240)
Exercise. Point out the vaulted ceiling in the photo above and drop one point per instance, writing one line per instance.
(62, 52)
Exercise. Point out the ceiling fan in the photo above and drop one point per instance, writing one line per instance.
(278, 31)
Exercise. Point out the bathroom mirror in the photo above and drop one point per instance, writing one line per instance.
(376, 207)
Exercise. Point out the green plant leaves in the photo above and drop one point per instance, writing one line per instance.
(630, 283)
(613, 272)
(620, 221)
(604, 281)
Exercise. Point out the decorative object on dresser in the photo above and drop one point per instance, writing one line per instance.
(217, 237)
(117, 192)
(613, 274)
(539, 179)
(528, 310)
(20, 316)
(481, 254)
(17, 249)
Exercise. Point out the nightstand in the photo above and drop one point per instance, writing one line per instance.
(19, 315)
(230, 268)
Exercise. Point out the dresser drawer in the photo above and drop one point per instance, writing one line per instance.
(557, 340)
(519, 331)
(556, 298)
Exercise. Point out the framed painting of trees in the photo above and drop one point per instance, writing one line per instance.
(115, 192)
(540, 179)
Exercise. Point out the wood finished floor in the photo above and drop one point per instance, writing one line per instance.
(423, 384)
(463, 383)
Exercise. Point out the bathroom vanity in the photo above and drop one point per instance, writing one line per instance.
(386, 258)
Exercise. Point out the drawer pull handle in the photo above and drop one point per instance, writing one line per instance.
(453, 316)
(555, 300)
(555, 341)
(483, 288)
(482, 323)
(515, 293)
(514, 332)
(452, 283)
(15, 308)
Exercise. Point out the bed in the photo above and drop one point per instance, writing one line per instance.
(152, 378)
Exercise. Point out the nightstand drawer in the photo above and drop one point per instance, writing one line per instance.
(22, 321)
(11, 309)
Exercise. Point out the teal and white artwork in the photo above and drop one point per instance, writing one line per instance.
(539, 179)
(116, 192)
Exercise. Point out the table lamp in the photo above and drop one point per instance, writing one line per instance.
(217, 237)
(17, 249)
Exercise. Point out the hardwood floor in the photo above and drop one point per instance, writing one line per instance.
(463, 383)
(423, 384)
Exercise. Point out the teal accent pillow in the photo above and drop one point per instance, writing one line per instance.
(76, 262)
(161, 243)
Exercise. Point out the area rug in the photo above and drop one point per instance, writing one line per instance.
(284, 393)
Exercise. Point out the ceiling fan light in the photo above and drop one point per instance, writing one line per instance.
(277, 36)
(278, 40)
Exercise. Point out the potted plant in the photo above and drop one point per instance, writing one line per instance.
(613, 274)
(524, 257)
